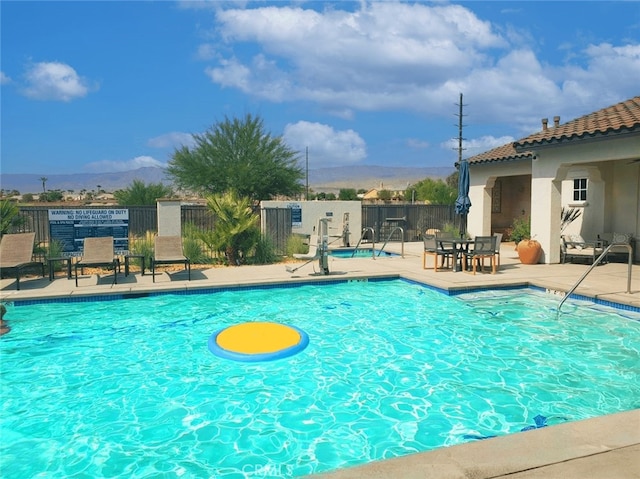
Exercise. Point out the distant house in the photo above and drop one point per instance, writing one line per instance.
(591, 163)
(373, 195)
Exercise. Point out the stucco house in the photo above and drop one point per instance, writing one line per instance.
(591, 163)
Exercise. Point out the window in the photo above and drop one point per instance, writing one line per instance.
(580, 189)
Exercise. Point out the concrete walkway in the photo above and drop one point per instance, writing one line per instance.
(607, 447)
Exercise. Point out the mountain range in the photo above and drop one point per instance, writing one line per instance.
(321, 179)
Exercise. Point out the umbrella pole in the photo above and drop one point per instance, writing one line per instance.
(463, 226)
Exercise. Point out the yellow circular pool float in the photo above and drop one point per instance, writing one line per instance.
(258, 341)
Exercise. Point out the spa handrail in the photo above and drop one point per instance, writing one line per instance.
(373, 241)
(395, 228)
(595, 263)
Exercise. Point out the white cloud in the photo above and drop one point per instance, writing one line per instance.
(4, 79)
(382, 56)
(206, 51)
(133, 164)
(54, 81)
(476, 146)
(417, 144)
(174, 139)
(413, 57)
(327, 147)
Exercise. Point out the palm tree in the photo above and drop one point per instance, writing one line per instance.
(44, 180)
(236, 229)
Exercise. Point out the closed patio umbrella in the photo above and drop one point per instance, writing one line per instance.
(463, 203)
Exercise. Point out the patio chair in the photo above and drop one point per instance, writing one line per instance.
(16, 254)
(168, 250)
(497, 250)
(432, 248)
(484, 247)
(98, 252)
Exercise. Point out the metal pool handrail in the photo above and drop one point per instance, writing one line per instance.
(595, 263)
(389, 237)
(373, 241)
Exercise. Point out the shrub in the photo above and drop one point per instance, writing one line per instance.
(142, 245)
(54, 250)
(9, 216)
(520, 229)
(295, 244)
(193, 245)
(264, 252)
(451, 228)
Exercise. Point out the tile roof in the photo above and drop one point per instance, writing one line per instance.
(621, 118)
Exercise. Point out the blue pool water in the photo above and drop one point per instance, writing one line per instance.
(128, 388)
(360, 253)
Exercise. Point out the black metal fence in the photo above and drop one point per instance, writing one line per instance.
(413, 219)
(276, 222)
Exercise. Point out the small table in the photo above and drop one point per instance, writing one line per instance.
(127, 257)
(63, 260)
(458, 246)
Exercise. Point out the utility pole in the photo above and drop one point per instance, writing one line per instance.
(307, 162)
(460, 125)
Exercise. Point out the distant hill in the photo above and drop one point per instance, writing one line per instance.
(321, 179)
(30, 183)
(371, 176)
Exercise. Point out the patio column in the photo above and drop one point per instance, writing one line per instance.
(546, 204)
(479, 219)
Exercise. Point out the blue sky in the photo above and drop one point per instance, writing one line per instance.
(113, 86)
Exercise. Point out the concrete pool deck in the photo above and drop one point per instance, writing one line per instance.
(607, 447)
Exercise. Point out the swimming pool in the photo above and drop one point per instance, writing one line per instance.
(361, 253)
(128, 388)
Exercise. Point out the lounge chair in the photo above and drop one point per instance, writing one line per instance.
(484, 247)
(16, 254)
(168, 250)
(98, 252)
(575, 247)
(432, 248)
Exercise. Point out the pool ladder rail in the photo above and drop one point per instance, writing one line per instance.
(596, 263)
(373, 240)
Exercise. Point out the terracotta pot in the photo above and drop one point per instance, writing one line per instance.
(529, 251)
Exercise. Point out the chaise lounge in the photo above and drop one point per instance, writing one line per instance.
(16, 254)
(98, 253)
(575, 247)
(168, 250)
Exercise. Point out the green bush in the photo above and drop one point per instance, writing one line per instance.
(142, 245)
(9, 216)
(54, 250)
(264, 251)
(520, 229)
(192, 245)
(296, 245)
(451, 228)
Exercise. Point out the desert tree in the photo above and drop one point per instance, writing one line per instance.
(237, 154)
(139, 193)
